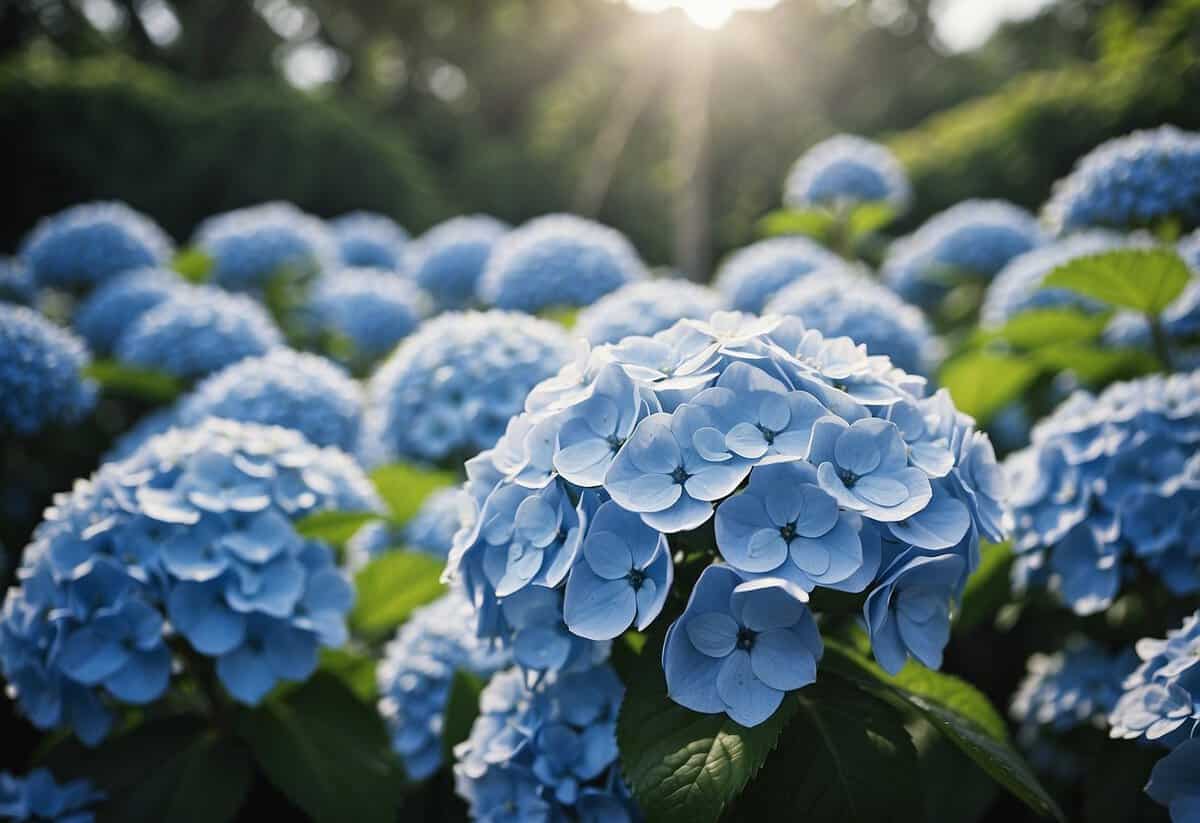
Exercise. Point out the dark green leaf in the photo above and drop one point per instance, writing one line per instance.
(404, 487)
(983, 383)
(462, 707)
(390, 587)
(195, 265)
(1044, 327)
(328, 752)
(988, 588)
(682, 765)
(333, 527)
(354, 668)
(846, 756)
(954, 788)
(816, 223)
(1144, 280)
(118, 378)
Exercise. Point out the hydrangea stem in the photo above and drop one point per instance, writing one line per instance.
(1158, 338)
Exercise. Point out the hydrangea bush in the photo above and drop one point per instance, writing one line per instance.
(250, 246)
(846, 170)
(370, 240)
(184, 552)
(751, 276)
(448, 260)
(41, 380)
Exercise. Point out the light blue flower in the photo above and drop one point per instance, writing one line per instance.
(740, 646)
(37, 796)
(846, 170)
(369, 240)
(751, 276)
(972, 240)
(284, 388)
(533, 537)
(1160, 702)
(645, 309)
(250, 246)
(448, 260)
(84, 245)
(623, 578)
(558, 261)
(1075, 687)
(197, 331)
(908, 611)
(371, 309)
(451, 387)
(1175, 782)
(117, 303)
(40, 373)
(1131, 182)
(536, 632)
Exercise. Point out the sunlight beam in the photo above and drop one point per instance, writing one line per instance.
(708, 14)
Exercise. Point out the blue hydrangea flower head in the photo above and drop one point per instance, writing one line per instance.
(193, 531)
(750, 277)
(370, 240)
(846, 169)
(857, 307)
(645, 309)
(971, 240)
(16, 282)
(1175, 782)
(38, 796)
(1131, 182)
(132, 439)
(1018, 286)
(740, 646)
(1161, 701)
(448, 260)
(1109, 486)
(908, 613)
(41, 383)
(249, 246)
(115, 304)
(1075, 687)
(558, 261)
(87, 244)
(418, 670)
(451, 387)
(295, 390)
(545, 753)
(197, 331)
(372, 309)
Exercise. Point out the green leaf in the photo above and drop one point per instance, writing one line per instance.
(954, 788)
(815, 223)
(1044, 327)
(354, 668)
(682, 765)
(988, 588)
(983, 383)
(194, 264)
(1096, 365)
(404, 487)
(1144, 280)
(118, 378)
(333, 527)
(869, 217)
(564, 316)
(462, 707)
(390, 587)
(955, 709)
(328, 752)
(846, 756)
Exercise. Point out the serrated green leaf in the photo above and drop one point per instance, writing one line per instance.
(983, 383)
(194, 264)
(1144, 280)
(1044, 327)
(815, 223)
(988, 588)
(462, 707)
(845, 756)
(328, 752)
(404, 487)
(154, 386)
(333, 527)
(390, 587)
(680, 765)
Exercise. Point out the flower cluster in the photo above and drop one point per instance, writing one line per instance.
(117, 303)
(1018, 286)
(1111, 484)
(188, 541)
(645, 309)
(448, 260)
(370, 309)
(1068, 689)
(16, 283)
(558, 261)
(1131, 182)
(431, 530)
(369, 240)
(417, 672)
(249, 246)
(856, 306)
(751, 276)
(197, 331)
(295, 390)
(40, 380)
(969, 241)
(548, 753)
(826, 467)
(37, 796)
(85, 245)
(846, 170)
(450, 388)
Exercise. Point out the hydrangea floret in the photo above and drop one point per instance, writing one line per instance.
(38, 796)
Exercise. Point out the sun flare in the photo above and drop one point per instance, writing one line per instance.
(708, 14)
